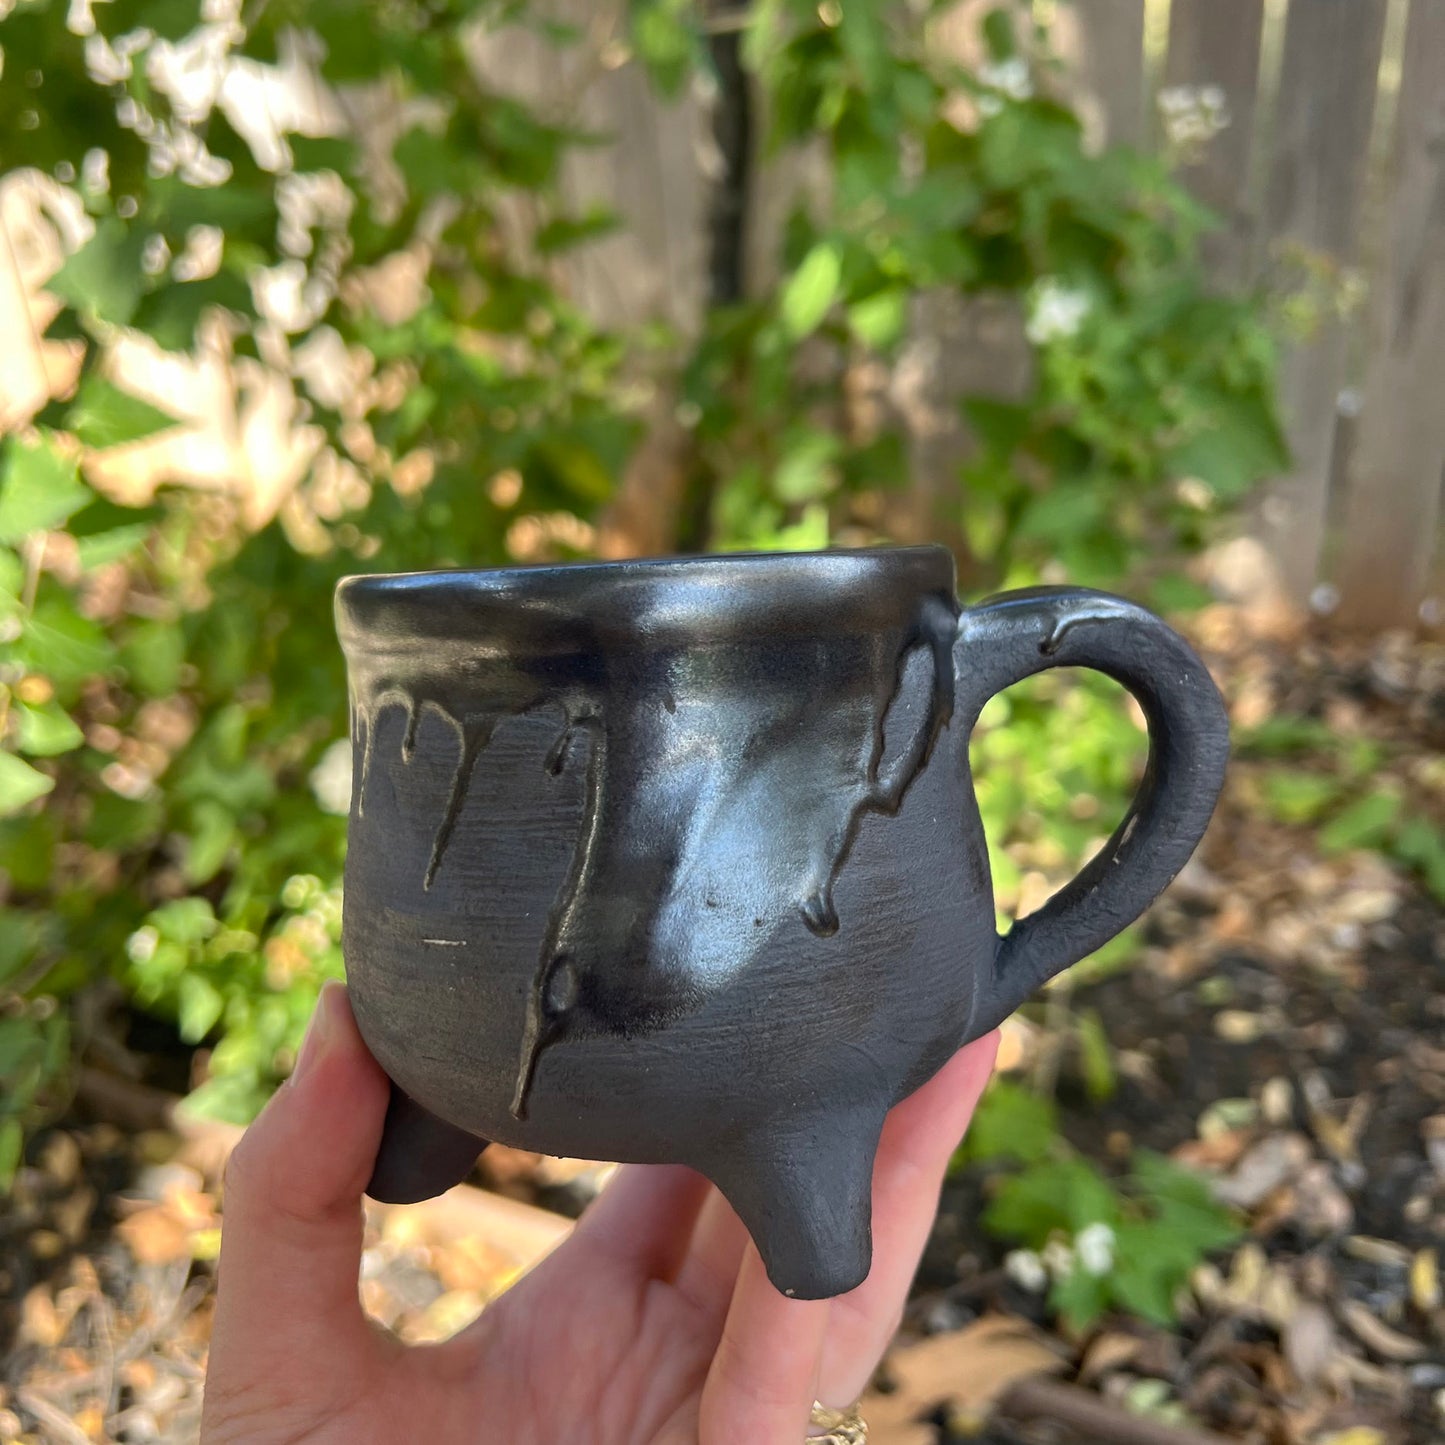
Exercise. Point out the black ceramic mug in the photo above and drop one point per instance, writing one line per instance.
(680, 861)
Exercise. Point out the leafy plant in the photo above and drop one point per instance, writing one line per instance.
(169, 679)
(1150, 401)
(1343, 789)
(1095, 1243)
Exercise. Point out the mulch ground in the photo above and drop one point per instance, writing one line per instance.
(1283, 1030)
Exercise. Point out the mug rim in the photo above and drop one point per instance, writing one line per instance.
(709, 595)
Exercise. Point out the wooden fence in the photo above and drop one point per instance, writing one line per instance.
(1328, 162)
(1334, 155)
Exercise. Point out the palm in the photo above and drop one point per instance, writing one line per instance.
(654, 1324)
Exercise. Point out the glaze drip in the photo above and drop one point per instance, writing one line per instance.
(476, 734)
(555, 989)
(1063, 622)
(688, 744)
(936, 630)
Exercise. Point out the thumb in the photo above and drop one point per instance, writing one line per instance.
(292, 1219)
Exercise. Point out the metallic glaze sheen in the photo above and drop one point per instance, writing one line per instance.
(677, 836)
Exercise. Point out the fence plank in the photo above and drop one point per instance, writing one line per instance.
(1311, 215)
(1102, 45)
(1393, 507)
(1216, 43)
(647, 169)
(957, 346)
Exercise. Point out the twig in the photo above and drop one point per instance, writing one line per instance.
(125, 1102)
(1095, 1417)
(54, 1420)
(727, 22)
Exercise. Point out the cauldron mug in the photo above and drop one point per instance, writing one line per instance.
(679, 860)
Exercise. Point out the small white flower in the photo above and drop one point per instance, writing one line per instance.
(1058, 1259)
(331, 778)
(1094, 1246)
(1011, 76)
(1055, 311)
(1193, 115)
(1026, 1269)
(140, 947)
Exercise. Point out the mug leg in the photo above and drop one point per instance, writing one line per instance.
(420, 1155)
(807, 1201)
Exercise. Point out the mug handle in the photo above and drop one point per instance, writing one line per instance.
(1007, 638)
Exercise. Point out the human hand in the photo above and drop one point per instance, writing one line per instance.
(653, 1322)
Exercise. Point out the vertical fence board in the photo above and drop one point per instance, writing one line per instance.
(1102, 45)
(957, 346)
(1393, 507)
(649, 168)
(1311, 214)
(1216, 43)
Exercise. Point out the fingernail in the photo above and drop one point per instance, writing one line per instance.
(321, 1031)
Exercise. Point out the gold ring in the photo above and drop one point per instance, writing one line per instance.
(838, 1427)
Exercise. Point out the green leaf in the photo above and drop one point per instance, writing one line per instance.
(60, 644)
(20, 784)
(1176, 594)
(1241, 445)
(1080, 1297)
(1422, 845)
(21, 1046)
(170, 19)
(806, 471)
(100, 548)
(1299, 797)
(1055, 1194)
(1142, 1282)
(865, 43)
(1012, 1123)
(103, 415)
(1279, 736)
(12, 1140)
(1065, 514)
(46, 731)
(170, 315)
(567, 231)
(998, 33)
(104, 278)
(323, 153)
(200, 1005)
(122, 823)
(1364, 824)
(666, 35)
(878, 320)
(153, 655)
(40, 488)
(212, 832)
(27, 854)
(1000, 425)
(811, 290)
(185, 920)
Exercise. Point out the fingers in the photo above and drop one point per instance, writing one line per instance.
(918, 1140)
(645, 1217)
(764, 1375)
(707, 1275)
(292, 1235)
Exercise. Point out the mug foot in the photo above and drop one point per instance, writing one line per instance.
(807, 1202)
(420, 1155)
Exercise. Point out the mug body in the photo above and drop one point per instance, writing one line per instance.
(669, 860)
